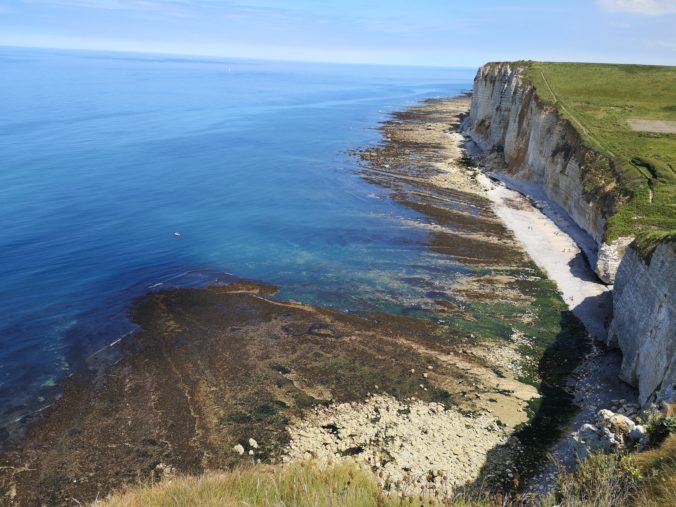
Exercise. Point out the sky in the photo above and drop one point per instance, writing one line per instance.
(403, 32)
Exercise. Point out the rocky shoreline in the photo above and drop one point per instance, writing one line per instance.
(221, 376)
(552, 240)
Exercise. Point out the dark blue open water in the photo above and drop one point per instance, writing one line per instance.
(103, 157)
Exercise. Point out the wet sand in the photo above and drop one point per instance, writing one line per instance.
(212, 368)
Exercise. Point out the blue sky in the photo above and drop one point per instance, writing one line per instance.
(409, 32)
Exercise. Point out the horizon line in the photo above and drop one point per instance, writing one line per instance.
(250, 58)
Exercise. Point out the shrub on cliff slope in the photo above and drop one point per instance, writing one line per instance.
(600, 480)
(659, 471)
(644, 479)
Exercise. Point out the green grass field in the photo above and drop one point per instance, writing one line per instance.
(598, 99)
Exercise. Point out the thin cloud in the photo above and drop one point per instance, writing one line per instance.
(152, 4)
(644, 7)
(107, 4)
(223, 9)
(671, 46)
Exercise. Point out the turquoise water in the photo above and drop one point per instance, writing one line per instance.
(106, 156)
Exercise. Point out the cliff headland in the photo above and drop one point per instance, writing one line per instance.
(564, 134)
(540, 197)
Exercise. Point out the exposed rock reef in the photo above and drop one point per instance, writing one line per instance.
(643, 326)
(399, 439)
(423, 164)
(222, 375)
(529, 140)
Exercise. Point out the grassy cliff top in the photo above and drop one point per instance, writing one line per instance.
(628, 113)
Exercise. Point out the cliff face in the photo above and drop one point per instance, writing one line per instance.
(536, 144)
(644, 322)
(528, 140)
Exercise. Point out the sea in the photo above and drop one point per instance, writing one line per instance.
(122, 174)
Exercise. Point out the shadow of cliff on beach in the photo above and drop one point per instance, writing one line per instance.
(581, 269)
(595, 313)
(509, 466)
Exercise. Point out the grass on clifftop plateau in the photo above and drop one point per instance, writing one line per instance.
(598, 99)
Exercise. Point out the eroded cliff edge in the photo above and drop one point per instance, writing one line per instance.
(528, 140)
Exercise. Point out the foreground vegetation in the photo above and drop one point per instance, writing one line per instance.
(598, 99)
(646, 479)
(303, 484)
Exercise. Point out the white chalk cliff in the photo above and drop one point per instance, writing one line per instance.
(536, 144)
(644, 322)
(527, 140)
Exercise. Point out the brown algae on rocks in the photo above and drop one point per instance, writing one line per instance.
(211, 369)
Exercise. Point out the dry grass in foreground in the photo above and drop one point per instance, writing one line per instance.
(260, 485)
(646, 479)
(302, 484)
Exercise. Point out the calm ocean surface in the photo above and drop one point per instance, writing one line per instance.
(103, 157)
